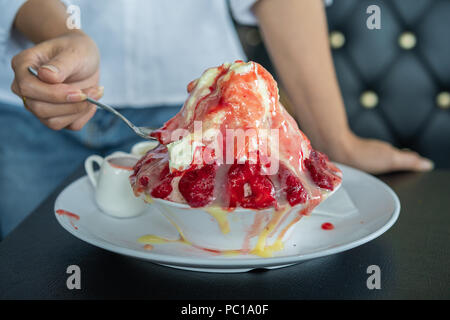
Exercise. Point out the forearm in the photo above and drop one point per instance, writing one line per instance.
(298, 45)
(40, 20)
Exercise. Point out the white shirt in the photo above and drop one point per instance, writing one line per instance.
(150, 49)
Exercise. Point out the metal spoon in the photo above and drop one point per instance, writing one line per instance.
(143, 132)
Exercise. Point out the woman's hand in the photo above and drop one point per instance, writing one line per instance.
(376, 156)
(68, 70)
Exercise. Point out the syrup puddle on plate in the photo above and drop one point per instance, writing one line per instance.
(327, 226)
(70, 215)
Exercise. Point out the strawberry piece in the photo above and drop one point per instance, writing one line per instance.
(164, 172)
(163, 189)
(197, 185)
(318, 170)
(261, 188)
(143, 181)
(262, 193)
(238, 175)
(295, 192)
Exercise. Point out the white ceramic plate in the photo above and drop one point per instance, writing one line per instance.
(360, 211)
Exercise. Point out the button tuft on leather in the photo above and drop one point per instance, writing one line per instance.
(337, 39)
(407, 40)
(369, 99)
(443, 100)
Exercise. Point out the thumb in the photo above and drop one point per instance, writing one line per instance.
(409, 160)
(59, 68)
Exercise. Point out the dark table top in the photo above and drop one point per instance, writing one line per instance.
(413, 256)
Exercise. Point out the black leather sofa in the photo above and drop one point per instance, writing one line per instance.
(395, 80)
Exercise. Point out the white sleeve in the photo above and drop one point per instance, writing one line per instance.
(8, 13)
(242, 11)
(69, 2)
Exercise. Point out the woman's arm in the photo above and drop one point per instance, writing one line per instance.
(67, 62)
(295, 33)
(41, 20)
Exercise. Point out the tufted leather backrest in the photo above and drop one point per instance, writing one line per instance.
(395, 80)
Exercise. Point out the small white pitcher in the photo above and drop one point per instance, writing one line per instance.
(113, 191)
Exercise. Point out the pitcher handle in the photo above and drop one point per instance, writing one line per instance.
(89, 167)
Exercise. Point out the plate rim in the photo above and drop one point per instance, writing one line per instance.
(229, 262)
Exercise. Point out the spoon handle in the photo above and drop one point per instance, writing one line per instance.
(112, 110)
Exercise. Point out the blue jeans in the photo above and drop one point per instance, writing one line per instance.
(34, 160)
